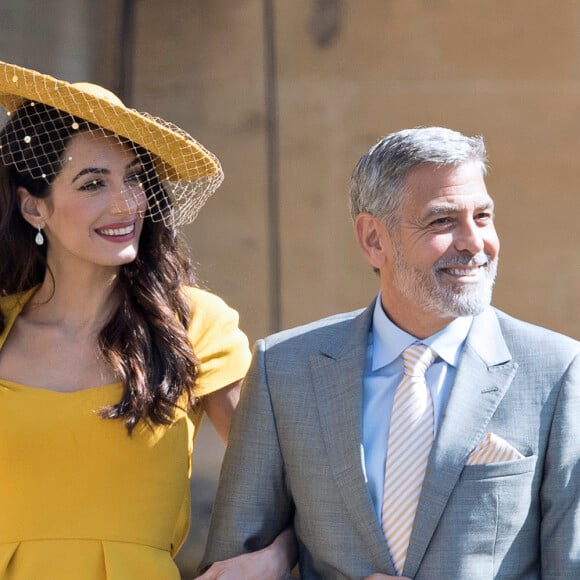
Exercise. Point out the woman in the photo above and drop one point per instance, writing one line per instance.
(109, 354)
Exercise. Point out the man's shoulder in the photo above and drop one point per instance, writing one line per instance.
(530, 335)
(318, 330)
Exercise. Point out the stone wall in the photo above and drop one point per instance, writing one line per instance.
(347, 73)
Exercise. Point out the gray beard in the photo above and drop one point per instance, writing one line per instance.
(449, 300)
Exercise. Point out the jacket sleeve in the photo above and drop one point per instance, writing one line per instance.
(252, 504)
(560, 493)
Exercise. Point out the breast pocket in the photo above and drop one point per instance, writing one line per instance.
(495, 470)
(490, 505)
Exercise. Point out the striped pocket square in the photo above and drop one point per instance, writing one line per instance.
(493, 449)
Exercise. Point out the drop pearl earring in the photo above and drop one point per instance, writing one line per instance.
(39, 238)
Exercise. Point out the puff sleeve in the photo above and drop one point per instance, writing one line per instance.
(217, 341)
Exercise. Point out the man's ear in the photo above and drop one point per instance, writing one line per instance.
(32, 208)
(373, 239)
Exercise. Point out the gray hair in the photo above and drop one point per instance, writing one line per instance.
(378, 180)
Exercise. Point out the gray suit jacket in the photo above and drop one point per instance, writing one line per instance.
(294, 457)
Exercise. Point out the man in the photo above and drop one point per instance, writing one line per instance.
(489, 485)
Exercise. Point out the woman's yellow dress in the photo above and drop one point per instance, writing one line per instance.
(79, 498)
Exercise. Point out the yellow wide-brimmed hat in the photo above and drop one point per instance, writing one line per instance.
(188, 170)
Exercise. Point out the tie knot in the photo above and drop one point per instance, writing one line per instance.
(417, 359)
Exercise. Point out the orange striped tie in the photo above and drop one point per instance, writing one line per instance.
(410, 440)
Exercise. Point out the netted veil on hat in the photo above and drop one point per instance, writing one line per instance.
(188, 173)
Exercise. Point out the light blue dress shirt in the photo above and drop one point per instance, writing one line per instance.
(383, 372)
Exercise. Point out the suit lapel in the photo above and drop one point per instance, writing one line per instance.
(483, 376)
(337, 374)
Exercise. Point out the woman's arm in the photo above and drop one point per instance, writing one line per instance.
(273, 562)
(220, 406)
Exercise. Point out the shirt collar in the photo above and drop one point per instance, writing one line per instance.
(389, 341)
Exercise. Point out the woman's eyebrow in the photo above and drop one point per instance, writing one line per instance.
(135, 162)
(103, 170)
(98, 170)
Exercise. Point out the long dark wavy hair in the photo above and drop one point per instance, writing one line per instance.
(145, 340)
